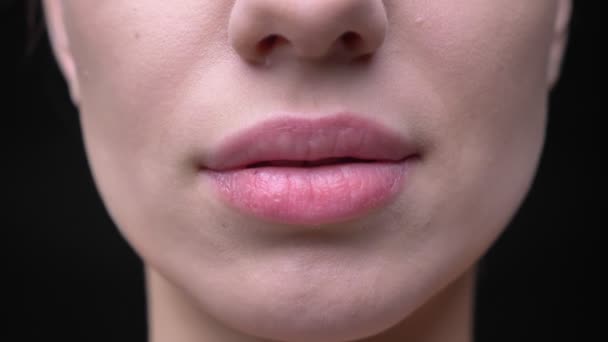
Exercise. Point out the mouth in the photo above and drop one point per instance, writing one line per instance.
(310, 163)
(310, 172)
(302, 142)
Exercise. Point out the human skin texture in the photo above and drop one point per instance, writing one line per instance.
(160, 86)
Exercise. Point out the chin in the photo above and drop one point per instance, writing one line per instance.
(332, 300)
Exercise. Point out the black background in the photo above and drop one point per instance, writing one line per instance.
(74, 278)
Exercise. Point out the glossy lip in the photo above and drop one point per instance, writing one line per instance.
(299, 139)
(310, 172)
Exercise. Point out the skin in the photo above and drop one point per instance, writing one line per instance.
(160, 83)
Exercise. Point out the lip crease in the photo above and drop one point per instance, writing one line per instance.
(303, 171)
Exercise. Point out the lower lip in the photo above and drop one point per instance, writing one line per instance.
(311, 195)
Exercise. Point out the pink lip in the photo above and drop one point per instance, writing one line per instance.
(310, 171)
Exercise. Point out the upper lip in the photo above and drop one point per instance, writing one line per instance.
(288, 138)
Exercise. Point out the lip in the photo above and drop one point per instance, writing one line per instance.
(292, 139)
(302, 171)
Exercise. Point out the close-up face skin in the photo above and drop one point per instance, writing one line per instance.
(321, 170)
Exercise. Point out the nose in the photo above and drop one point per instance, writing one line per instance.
(311, 29)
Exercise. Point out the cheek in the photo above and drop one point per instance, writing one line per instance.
(483, 69)
(127, 56)
(486, 67)
(132, 59)
(486, 63)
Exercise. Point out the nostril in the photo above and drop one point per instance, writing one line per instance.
(268, 43)
(355, 44)
(351, 40)
(335, 31)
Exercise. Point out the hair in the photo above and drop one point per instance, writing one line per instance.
(34, 25)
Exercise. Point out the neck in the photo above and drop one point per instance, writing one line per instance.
(173, 316)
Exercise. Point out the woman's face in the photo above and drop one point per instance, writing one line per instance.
(203, 121)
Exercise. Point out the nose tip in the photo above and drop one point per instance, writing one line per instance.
(311, 29)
